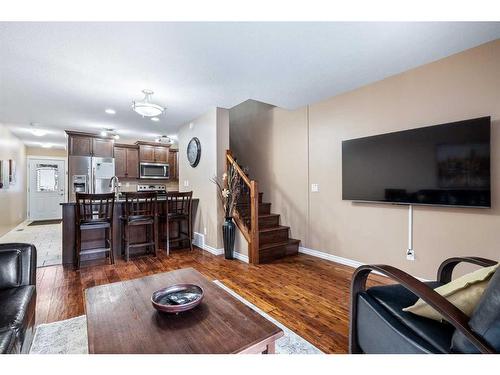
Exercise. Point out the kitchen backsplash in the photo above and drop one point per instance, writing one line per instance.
(127, 186)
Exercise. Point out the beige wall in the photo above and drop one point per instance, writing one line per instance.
(459, 87)
(272, 143)
(212, 129)
(52, 152)
(13, 199)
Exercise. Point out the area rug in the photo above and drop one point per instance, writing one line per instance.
(70, 336)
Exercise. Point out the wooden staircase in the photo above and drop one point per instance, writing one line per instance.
(268, 240)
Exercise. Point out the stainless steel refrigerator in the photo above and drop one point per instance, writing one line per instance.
(88, 174)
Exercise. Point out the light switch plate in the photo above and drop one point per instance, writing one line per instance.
(314, 188)
(186, 183)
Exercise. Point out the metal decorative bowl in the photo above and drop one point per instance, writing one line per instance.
(177, 298)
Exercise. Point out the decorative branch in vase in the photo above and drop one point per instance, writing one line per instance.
(228, 190)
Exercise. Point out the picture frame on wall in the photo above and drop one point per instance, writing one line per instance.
(4, 174)
(12, 171)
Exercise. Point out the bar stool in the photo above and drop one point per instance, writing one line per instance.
(140, 209)
(179, 211)
(94, 211)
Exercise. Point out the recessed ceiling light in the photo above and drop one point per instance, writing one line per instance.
(104, 133)
(36, 131)
(46, 145)
(116, 136)
(155, 119)
(110, 111)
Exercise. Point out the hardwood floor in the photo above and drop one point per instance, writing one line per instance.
(307, 294)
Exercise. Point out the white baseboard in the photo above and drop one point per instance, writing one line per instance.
(199, 240)
(241, 257)
(334, 258)
(330, 257)
(213, 250)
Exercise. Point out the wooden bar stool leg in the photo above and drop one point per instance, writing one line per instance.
(106, 242)
(155, 235)
(127, 243)
(78, 247)
(168, 237)
(111, 247)
(190, 231)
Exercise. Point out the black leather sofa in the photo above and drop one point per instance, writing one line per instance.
(17, 296)
(378, 325)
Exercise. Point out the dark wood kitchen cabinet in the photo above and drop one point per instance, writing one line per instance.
(126, 161)
(152, 153)
(84, 144)
(102, 148)
(147, 153)
(173, 164)
(133, 162)
(161, 154)
(120, 162)
(80, 145)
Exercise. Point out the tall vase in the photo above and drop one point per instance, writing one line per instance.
(228, 234)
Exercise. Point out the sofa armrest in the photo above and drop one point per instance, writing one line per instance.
(24, 269)
(446, 268)
(449, 311)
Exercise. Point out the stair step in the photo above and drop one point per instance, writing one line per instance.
(244, 209)
(269, 252)
(264, 208)
(243, 200)
(273, 235)
(269, 220)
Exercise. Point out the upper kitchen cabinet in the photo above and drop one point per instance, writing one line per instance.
(80, 145)
(152, 153)
(120, 161)
(173, 164)
(83, 144)
(126, 161)
(161, 154)
(147, 153)
(102, 148)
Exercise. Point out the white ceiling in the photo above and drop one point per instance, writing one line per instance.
(63, 75)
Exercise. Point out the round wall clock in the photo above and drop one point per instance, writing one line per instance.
(194, 152)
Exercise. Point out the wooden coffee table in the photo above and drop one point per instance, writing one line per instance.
(121, 320)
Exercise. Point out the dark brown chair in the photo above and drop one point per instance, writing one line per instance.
(179, 210)
(140, 209)
(378, 324)
(94, 211)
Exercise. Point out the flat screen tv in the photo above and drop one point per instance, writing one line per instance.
(445, 165)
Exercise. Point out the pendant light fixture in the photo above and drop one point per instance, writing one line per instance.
(145, 107)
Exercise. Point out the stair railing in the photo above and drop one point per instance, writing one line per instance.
(246, 215)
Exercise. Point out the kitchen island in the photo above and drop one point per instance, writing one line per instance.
(95, 238)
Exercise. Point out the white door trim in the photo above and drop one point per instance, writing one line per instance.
(34, 157)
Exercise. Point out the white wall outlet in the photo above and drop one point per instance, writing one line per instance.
(410, 254)
(205, 231)
(314, 188)
(186, 183)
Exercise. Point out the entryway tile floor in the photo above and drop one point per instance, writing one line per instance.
(47, 239)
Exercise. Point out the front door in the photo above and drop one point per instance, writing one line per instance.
(46, 188)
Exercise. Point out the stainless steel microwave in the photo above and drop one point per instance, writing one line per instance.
(154, 170)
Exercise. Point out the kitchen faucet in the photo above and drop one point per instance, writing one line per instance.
(114, 183)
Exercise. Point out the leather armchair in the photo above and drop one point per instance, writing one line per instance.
(17, 296)
(378, 324)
